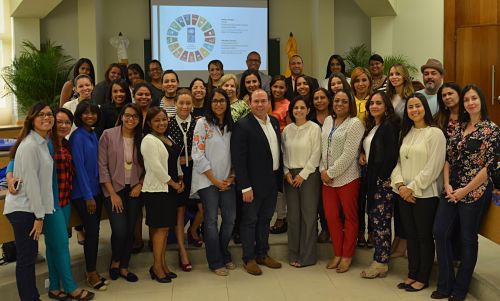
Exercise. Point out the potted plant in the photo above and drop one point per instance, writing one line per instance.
(359, 56)
(38, 74)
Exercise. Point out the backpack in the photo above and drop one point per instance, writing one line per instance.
(9, 252)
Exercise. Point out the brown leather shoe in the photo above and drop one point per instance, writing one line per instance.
(269, 262)
(252, 268)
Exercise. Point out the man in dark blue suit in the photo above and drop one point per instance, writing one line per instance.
(257, 161)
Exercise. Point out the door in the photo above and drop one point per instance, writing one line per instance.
(478, 62)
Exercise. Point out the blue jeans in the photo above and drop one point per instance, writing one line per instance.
(254, 228)
(26, 251)
(216, 242)
(470, 217)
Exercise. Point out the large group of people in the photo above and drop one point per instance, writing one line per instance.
(353, 152)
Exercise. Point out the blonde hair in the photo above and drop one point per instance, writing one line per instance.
(227, 77)
(407, 85)
(357, 72)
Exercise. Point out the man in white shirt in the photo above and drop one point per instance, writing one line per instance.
(258, 165)
(433, 73)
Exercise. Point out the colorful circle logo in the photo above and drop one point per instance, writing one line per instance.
(190, 38)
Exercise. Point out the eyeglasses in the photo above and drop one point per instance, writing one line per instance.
(218, 102)
(131, 116)
(43, 115)
(62, 122)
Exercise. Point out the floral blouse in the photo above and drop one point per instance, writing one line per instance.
(467, 155)
(239, 109)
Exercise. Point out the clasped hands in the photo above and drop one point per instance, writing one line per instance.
(295, 182)
(454, 196)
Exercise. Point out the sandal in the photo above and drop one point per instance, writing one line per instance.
(344, 265)
(88, 296)
(280, 226)
(333, 263)
(375, 270)
(61, 296)
(99, 285)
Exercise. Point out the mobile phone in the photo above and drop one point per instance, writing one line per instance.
(17, 184)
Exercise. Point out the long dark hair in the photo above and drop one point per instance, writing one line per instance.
(345, 84)
(292, 104)
(273, 81)
(341, 62)
(442, 117)
(27, 125)
(310, 83)
(137, 129)
(329, 97)
(111, 66)
(243, 88)
(408, 123)
(209, 113)
(79, 63)
(152, 112)
(137, 68)
(122, 83)
(55, 139)
(463, 115)
(389, 111)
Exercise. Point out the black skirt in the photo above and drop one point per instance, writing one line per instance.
(161, 209)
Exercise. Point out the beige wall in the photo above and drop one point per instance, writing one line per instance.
(352, 27)
(417, 31)
(318, 33)
(61, 26)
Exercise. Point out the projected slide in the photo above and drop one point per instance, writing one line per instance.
(188, 37)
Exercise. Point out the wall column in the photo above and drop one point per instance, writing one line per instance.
(89, 38)
(322, 36)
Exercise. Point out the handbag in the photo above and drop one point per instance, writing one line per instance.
(9, 252)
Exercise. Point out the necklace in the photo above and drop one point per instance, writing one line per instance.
(409, 146)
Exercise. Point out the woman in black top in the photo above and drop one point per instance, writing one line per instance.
(117, 96)
(379, 153)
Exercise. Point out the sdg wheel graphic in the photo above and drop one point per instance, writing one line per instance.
(190, 38)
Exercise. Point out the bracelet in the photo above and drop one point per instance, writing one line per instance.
(400, 185)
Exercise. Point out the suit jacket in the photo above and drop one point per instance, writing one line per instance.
(111, 161)
(291, 93)
(252, 159)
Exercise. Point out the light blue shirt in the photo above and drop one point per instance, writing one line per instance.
(34, 166)
(431, 100)
(211, 151)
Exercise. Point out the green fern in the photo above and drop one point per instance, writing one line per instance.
(38, 74)
(359, 56)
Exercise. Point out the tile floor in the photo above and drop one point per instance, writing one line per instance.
(288, 283)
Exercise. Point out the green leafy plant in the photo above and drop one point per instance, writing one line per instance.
(359, 56)
(38, 74)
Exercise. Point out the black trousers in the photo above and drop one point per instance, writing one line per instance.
(123, 226)
(26, 251)
(91, 225)
(418, 220)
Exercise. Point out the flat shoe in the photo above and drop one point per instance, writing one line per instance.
(62, 296)
(88, 296)
(413, 289)
(230, 266)
(130, 277)
(100, 285)
(220, 272)
(403, 285)
(439, 295)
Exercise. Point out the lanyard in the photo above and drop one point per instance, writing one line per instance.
(184, 136)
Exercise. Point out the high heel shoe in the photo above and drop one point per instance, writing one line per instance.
(194, 241)
(165, 279)
(186, 267)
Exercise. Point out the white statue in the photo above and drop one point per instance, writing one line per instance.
(121, 44)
